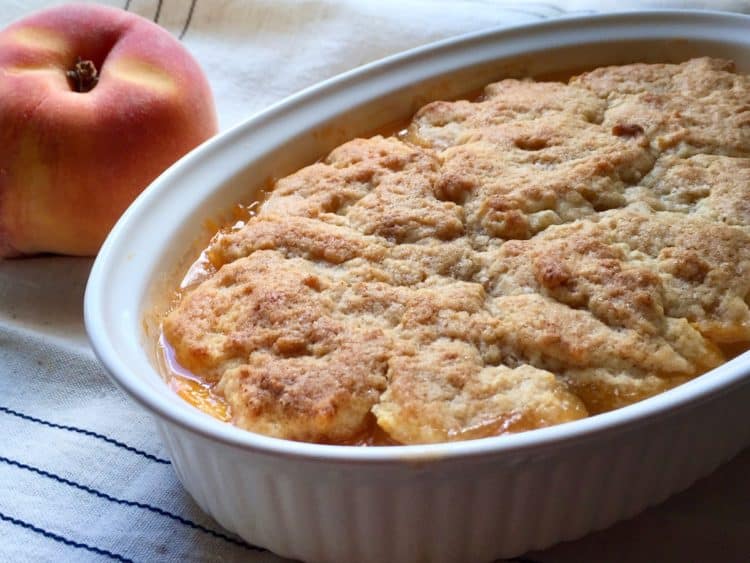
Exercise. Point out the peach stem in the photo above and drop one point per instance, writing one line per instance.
(84, 75)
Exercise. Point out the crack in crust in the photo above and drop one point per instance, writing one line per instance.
(547, 252)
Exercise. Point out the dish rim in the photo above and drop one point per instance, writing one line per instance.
(714, 383)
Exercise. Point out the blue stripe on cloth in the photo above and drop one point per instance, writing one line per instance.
(188, 20)
(89, 433)
(64, 540)
(124, 502)
(546, 6)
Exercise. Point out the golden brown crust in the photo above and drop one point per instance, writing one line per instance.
(466, 399)
(699, 106)
(547, 252)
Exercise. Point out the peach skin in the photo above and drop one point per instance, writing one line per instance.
(95, 103)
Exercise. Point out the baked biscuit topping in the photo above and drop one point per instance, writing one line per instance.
(547, 252)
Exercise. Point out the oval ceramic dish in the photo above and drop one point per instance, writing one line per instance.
(467, 501)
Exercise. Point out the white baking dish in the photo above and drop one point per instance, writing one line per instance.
(475, 500)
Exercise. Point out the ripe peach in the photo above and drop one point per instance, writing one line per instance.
(95, 102)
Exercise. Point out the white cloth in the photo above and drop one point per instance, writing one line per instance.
(82, 475)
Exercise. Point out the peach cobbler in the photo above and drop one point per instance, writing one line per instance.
(544, 253)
